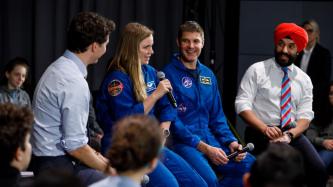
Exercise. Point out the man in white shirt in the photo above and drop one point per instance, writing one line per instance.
(259, 98)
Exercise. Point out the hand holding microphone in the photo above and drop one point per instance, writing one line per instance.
(170, 96)
(248, 147)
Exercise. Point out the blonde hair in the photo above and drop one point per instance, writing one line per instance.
(127, 56)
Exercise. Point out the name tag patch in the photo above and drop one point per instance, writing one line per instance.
(205, 80)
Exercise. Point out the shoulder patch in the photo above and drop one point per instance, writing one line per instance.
(115, 87)
(205, 80)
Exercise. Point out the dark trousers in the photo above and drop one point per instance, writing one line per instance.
(315, 171)
(67, 164)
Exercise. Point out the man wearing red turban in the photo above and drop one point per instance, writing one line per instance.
(275, 100)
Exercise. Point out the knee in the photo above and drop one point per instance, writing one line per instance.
(210, 179)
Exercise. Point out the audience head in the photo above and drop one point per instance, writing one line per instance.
(279, 166)
(88, 28)
(135, 145)
(15, 127)
(134, 49)
(15, 73)
(289, 40)
(312, 28)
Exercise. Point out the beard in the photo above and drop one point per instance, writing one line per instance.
(283, 63)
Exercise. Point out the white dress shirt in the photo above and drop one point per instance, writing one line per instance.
(260, 91)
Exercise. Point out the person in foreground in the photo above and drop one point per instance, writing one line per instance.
(135, 148)
(61, 102)
(201, 134)
(275, 100)
(131, 87)
(15, 127)
(279, 166)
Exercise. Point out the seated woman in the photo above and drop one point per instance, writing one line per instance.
(131, 86)
(13, 77)
(135, 146)
(321, 135)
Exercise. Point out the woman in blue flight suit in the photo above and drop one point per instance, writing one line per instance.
(132, 87)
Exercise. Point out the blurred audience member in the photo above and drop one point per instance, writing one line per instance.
(15, 127)
(279, 166)
(135, 146)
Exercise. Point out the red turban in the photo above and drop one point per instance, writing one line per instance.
(294, 32)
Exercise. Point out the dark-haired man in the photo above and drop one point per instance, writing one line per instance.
(61, 100)
(275, 100)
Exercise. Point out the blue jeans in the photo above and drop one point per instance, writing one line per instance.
(326, 156)
(173, 171)
(232, 172)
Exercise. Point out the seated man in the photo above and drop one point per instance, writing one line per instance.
(280, 165)
(15, 127)
(201, 134)
(275, 100)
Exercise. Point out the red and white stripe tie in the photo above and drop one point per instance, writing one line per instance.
(285, 100)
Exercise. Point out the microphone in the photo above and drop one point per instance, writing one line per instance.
(171, 98)
(144, 180)
(248, 147)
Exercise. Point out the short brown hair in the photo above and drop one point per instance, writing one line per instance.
(15, 124)
(86, 28)
(136, 140)
(190, 26)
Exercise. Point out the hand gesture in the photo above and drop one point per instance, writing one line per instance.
(217, 155)
(328, 144)
(273, 132)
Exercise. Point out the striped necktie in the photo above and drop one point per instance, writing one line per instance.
(285, 100)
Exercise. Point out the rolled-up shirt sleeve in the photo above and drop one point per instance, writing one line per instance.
(304, 108)
(74, 114)
(247, 91)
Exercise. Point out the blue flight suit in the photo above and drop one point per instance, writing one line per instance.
(116, 100)
(201, 117)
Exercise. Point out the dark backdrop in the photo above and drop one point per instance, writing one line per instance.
(36, 30)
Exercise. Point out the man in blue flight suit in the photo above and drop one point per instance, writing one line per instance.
(200, 134)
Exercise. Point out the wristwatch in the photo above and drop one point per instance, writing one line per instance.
(290, 135)
(166, 132)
